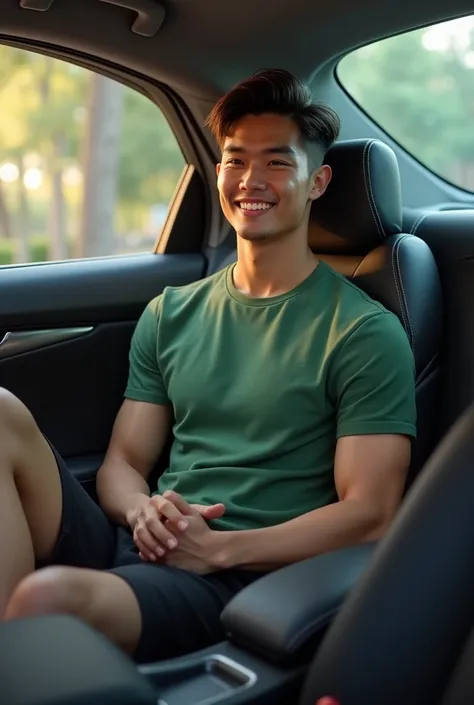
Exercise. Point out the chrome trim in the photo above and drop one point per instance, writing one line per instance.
(234, 669)
(20, 342)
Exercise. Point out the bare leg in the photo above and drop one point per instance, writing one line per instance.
(103, 600)
(30, 495)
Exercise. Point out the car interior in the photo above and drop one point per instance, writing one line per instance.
(369, 625)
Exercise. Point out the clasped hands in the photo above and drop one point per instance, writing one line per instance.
(168, 530)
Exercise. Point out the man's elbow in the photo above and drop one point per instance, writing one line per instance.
(380, 524)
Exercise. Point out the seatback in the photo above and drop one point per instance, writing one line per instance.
(450, 236)
(356, 228)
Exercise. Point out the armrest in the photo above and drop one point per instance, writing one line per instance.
(286, 611)
(59, 660)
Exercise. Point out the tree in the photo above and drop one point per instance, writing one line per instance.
(62, 119)
(101, 160)
(423, 98)
(39, 95)
(148, 152)
(60, 87)
(11, 61)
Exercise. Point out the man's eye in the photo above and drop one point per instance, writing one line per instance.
(278, 162)
(234, 161)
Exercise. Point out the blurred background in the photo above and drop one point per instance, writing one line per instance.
(87, 165)
(419, 87)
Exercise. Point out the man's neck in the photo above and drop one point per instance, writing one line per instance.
(270, 269)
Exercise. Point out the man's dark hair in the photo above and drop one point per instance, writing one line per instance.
(276, 91)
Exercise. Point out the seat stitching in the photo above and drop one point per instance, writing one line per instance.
(380, 227)
(404, 297)
(367, 191)
(418, 222)
(424, 372)
(395, 279)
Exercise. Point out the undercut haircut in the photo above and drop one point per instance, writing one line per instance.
(277, 91)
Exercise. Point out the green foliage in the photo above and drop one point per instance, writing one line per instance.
(148, 152)
(39, 247)
(6, 251)
(45, 122)
(423, 98)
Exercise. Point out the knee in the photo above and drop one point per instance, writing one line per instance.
(53, 590)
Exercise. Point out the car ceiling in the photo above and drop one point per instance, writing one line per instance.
(205, 46)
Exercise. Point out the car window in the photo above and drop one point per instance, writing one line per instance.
(419, 87)
(88, 166)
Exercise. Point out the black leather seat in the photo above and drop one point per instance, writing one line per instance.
(405, 636)
(450, 236)
(356, 228)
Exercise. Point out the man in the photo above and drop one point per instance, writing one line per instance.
(290, 395)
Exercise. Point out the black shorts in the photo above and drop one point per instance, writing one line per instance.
(180, 610)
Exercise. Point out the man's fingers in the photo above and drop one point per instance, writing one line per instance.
(173, 507)
(144, 550)
(178, 501)
(214, 511)
(153, 534)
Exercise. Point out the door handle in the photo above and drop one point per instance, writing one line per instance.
(20, 342)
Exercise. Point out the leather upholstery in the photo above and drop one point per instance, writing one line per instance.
(263, 619)
(363, 204)
(79, 666)
(450, 236)
(356, 228)
(399, 634)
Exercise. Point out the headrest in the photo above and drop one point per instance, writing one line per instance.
(362, 205)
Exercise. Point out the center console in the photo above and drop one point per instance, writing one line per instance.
(274, 626)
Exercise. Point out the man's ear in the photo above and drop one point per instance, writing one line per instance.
(320, 180)
(218, 168)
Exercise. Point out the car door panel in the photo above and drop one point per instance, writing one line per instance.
(83, 292)
(75, 320)
(20, 342)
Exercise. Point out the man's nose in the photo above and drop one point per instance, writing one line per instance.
(253, 179)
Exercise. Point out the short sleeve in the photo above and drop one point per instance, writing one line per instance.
(373, 380)
(145, 382)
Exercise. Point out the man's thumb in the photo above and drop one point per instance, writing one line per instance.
(214, 511)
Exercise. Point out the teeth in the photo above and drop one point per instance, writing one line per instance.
(255, 206)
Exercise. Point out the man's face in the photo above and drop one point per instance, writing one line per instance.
(265, 182)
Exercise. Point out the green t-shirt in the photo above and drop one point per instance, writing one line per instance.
(262, 388)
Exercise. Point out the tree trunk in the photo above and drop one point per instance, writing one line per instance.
(100, 168)
(22, 251)
(5, 221)
(57, 222)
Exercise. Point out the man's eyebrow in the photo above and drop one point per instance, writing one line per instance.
(277, 149)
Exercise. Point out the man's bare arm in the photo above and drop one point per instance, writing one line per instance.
(138, 438)
(370, 473)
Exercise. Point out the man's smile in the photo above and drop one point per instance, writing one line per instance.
(254, 208)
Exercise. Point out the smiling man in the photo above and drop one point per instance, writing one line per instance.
(289, 392)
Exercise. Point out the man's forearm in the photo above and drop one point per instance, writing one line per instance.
(121, 490)
(327, 529)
